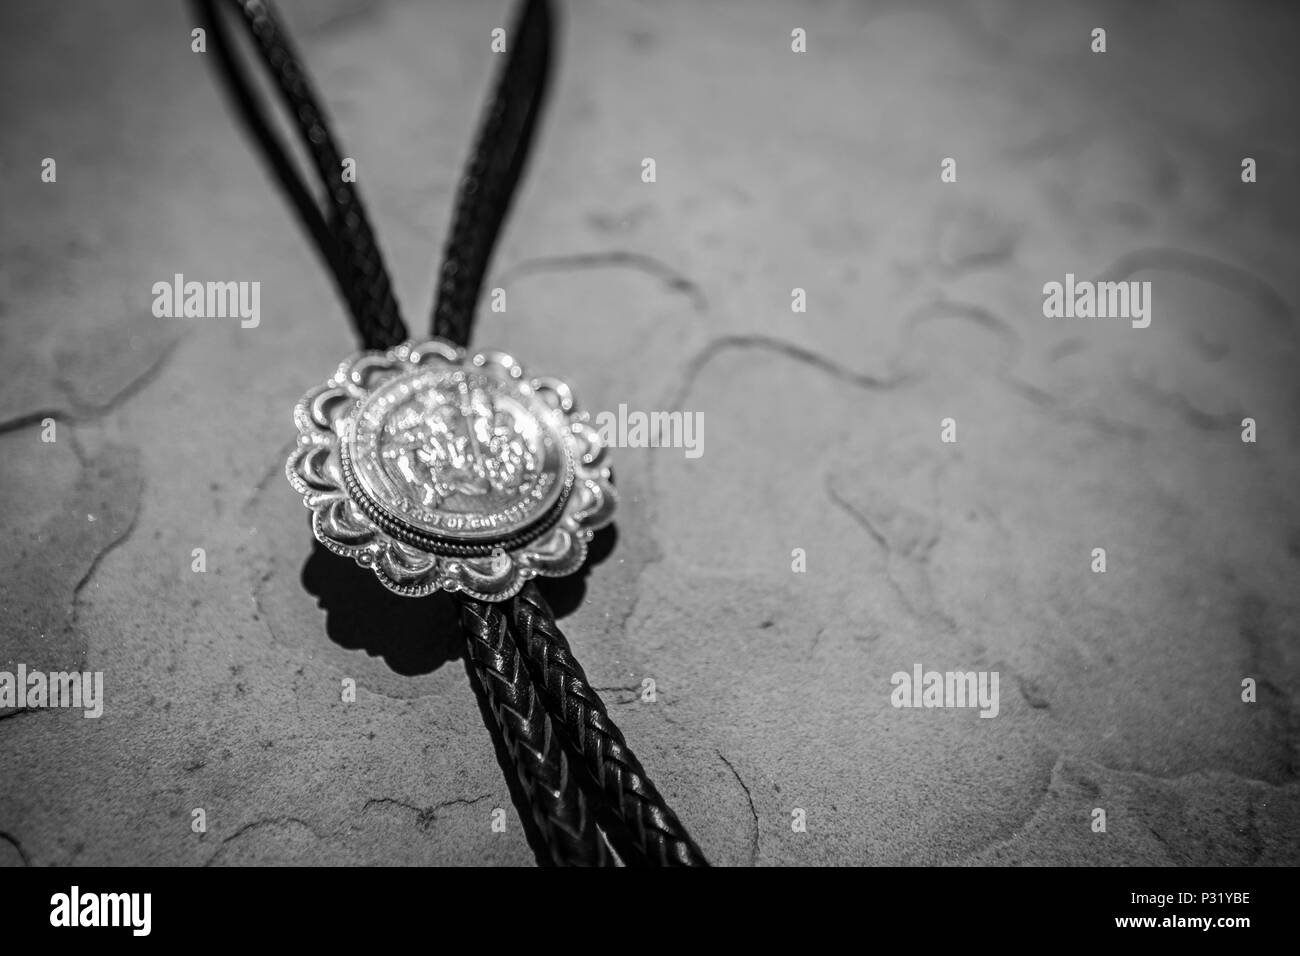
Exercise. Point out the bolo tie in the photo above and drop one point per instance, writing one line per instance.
(441, 468)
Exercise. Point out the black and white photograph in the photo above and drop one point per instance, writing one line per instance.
(743, 434)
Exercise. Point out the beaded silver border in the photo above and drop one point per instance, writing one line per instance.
(342, 524)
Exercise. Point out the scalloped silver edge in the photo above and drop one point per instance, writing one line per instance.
(314, 471)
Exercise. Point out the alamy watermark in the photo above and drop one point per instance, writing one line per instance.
(1085, 299)
(78, 690)
(179, 299)
(946, 689)
(636, 429)
(75, 908)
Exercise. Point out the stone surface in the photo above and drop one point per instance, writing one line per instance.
(820, 171)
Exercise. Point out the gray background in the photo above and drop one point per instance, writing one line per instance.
(775, 170)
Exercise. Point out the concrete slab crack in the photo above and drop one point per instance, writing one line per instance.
(17, 845)
(754, 844)
(674, 280)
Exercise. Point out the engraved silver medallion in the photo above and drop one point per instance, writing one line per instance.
(439, 469)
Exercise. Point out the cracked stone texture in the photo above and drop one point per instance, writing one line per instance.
(1118, 690)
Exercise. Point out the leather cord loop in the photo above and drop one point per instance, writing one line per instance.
(539, 696)
(342, 233)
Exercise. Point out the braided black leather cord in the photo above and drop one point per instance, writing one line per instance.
(559, 806)
(494, 635)
(345, 239)
(485, 193)
(657, 833)
(493, 170)
(557, 802)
